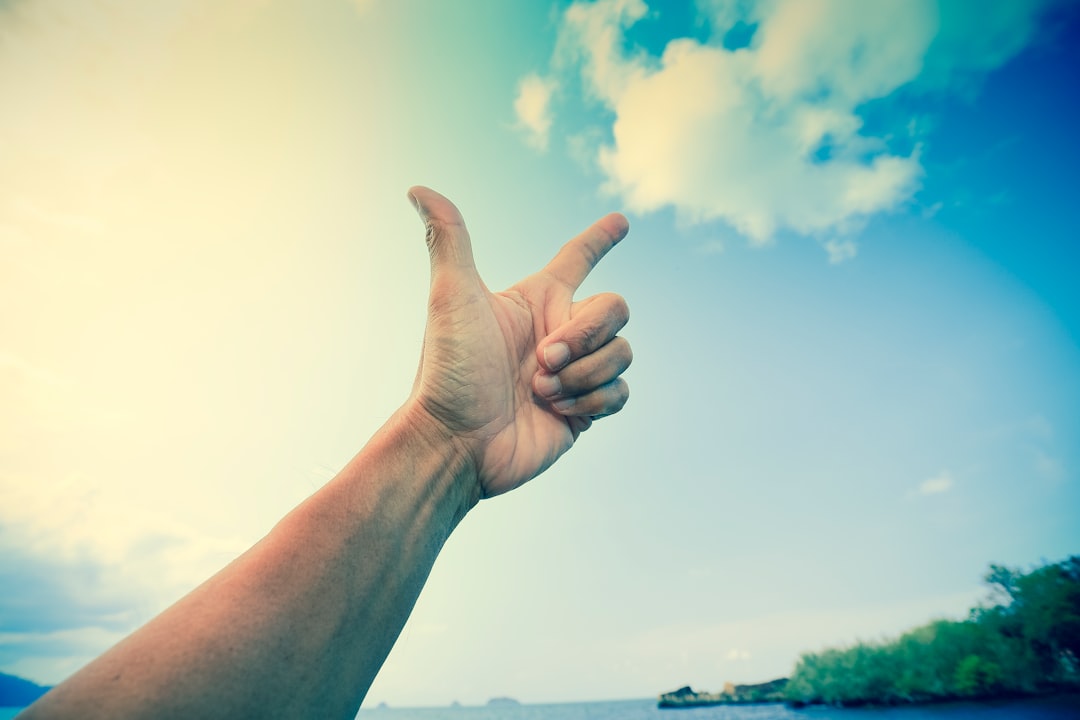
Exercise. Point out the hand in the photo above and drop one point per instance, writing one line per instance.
(517, 376)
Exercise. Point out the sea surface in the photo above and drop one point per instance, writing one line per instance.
(1062, 707)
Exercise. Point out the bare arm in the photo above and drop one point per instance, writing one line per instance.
(300, 624)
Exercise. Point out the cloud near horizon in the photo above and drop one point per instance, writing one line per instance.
(89, 569)
(942, 482)
(765, 134)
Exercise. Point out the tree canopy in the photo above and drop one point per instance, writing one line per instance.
(1024, 640)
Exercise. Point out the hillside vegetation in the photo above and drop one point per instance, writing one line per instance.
(1025, 640)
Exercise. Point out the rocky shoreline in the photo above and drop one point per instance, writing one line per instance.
(767, 692)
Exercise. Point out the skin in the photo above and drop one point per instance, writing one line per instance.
(299, 625)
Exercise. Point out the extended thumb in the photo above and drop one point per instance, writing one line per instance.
(446, 236)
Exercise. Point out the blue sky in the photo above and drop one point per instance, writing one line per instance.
(850, 273)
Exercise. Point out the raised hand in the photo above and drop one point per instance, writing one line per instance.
(506, 384)
(516, 376)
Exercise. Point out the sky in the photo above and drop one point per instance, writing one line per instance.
(851, 274)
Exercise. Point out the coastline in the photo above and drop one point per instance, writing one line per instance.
(756, 694)
(1059, 707)
(772, 693)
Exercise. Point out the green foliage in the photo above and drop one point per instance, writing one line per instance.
(977, 676)
(1026, 641)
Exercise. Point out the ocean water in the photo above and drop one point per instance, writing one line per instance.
(1065, 707)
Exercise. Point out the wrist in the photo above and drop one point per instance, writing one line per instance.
(454, 454)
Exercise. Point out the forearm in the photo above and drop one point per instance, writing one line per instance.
(299, 625)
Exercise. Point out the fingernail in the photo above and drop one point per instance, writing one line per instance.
(563, 404)
(547, 385)
(556, 355)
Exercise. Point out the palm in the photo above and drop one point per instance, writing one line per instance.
(489, 396)
(480, 355)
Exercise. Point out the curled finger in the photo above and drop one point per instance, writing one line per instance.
(599, 320)
(579, 424)
(595, 369)
(607, 399)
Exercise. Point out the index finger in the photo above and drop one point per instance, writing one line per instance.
(573, 263)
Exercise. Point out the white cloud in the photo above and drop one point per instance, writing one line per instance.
(533, 109)
(735, 654)
(847, 51)
(49, 657)
(592, 35)
(768, 137)
(840, 250)
(73, 520)
(738, 136)
(940, 483)
(89, 568)
(929, 212)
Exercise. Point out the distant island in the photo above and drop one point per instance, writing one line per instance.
(19, 692)
(1024, 641)
(502, 701)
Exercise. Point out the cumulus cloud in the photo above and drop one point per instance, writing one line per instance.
(49, 657)
(88, 569)
(940, 483)
(840, 250)
(533, 109)
(90, 91)
(767, 136)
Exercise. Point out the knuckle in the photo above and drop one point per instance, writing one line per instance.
(589, 254)
(622, 394)
(624, 352)
(606, 400)
(603, 326)
(615, 310)
(433, 234)
(616, 361)
(618, 310)
(600, 369)
(589, 337)
(440, 233)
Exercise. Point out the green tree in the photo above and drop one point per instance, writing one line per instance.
(977, 676)
(1026, 639)
(1041, 608)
